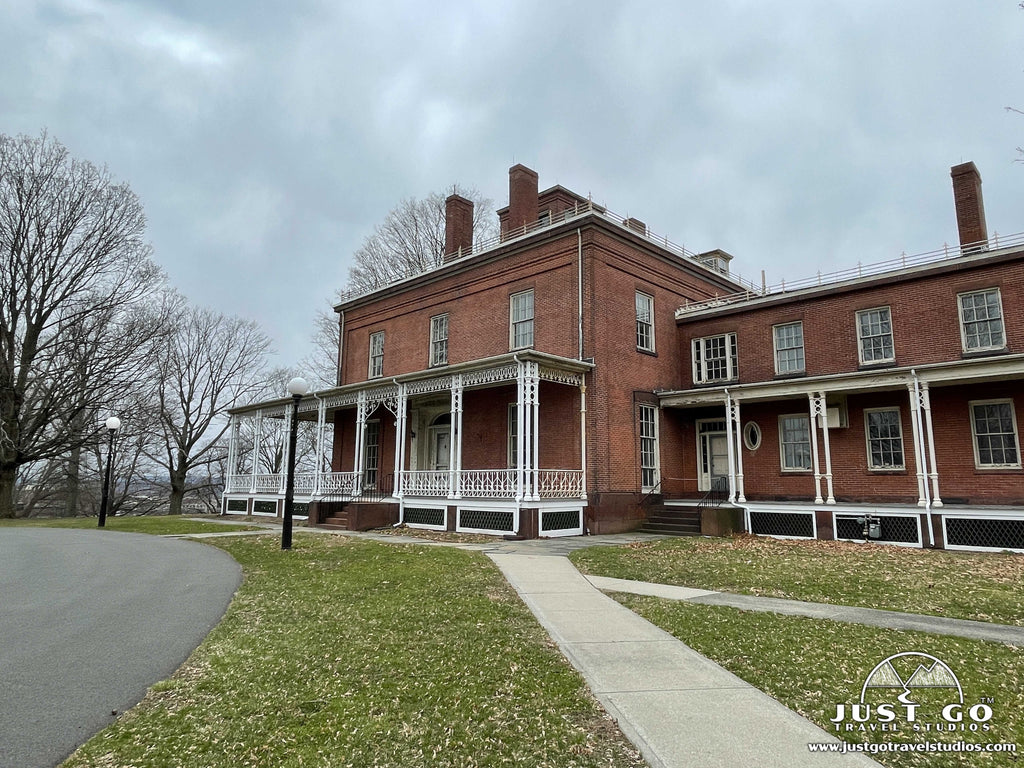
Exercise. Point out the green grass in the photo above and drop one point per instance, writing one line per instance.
(984, 587)
(347, 652)
(811, 665)
(157, 525)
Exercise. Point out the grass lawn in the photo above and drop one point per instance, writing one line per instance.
(157, 525)
(984, 587)
(347, 652)
(812, 665)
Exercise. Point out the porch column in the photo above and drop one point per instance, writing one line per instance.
(583, 439)
(926, 409)
(815, 405)
(401, 428)
(256, 440)
(919, 458)
(455, 440)
(527, 438)
(357, 483)
(830, 497)
(730, 445)
(533, 400)
(232, 466)
(321, 419)
(282, 478)
(520, 436)
(740, 497)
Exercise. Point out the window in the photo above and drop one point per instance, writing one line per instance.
(714, 359)
(371, 453)
(644, 322)
(789, 347)
(648, 447)
(376, 354)
(994, 426)
(752, 436)
(885, 438)
(981, 320)
(874, 336)
(439, 340)
(521, 319)
(513, 435)
(795, 442)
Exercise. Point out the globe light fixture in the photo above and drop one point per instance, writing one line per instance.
(112, 424)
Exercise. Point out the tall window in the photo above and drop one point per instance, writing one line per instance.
(439, 340)
(371, 453)
(885, 438)
(521, 319)
(994, 425)
(981, 320)
(648, 447)
(714, 359)
(789, 347)
(376, 354)
(874, 336)
(513, 435)
(644, 322)
(795, 442)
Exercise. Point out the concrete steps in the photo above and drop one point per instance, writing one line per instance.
(672, 521)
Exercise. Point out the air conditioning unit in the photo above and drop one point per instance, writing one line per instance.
(838, 417)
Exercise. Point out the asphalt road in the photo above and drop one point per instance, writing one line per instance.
(90, 619)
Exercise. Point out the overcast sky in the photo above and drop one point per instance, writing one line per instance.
(266, 140)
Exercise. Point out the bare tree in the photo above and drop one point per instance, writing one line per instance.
(209, 364)
(74, 286)
(409, 241)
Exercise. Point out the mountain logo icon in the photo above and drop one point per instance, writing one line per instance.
(929, 672)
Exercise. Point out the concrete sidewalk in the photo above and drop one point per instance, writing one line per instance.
(678, 707)
(917, 622)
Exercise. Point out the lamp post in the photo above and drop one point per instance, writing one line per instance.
(113, 424)
(297, 387)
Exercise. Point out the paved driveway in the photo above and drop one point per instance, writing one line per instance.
(90, 619)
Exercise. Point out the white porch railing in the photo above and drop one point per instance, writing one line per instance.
(266, 483)
(560, 483)
(238, 484)
(488, 483)
(431, 482)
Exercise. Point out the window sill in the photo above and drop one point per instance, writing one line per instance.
(790, 375)
(874, 365)
(887, 470)
(648, 352)
(970, 354)
(1009, 468)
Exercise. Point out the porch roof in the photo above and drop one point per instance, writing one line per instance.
(503, 368)
(993, 368)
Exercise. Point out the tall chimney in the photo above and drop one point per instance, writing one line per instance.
(970, 208)
(458, 226)
(522, 197)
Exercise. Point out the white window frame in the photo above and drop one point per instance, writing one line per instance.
(371, 453)
(752, 436)
(376, 365)
(775, 345)
(649, 447)
(698, 349)
(861, 338)
(974, 433)
(964, 338)
(439, 340)
(644, 327)
(513, 436)
(867, 437)
(782, 443)
(523, 322)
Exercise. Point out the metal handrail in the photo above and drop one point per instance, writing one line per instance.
(861, 270)
(716, 495)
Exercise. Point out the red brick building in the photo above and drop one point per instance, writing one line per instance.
(579, 374)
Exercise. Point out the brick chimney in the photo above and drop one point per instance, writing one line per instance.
(458, 226)
(522, 197)
(970, 208)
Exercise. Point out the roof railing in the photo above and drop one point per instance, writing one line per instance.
(947, 252)
(518, 233)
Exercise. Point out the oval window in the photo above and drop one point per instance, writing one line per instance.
(752, 436)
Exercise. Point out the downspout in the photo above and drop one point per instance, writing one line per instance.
(520, 484)
(923, 461)
(341, 345)
(579, 287)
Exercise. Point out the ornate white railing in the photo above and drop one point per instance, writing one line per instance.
(560, 483)
(488, 483)
(305, 483)
(238, 484)
(337, 483)
(432, 482)
(266, 483)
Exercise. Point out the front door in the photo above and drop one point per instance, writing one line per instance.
(440, 447)
(712, 453)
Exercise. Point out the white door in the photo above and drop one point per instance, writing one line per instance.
(440, 447)
(712, 453)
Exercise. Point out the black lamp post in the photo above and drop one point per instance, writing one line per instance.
(113, 424)
(297, 387)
